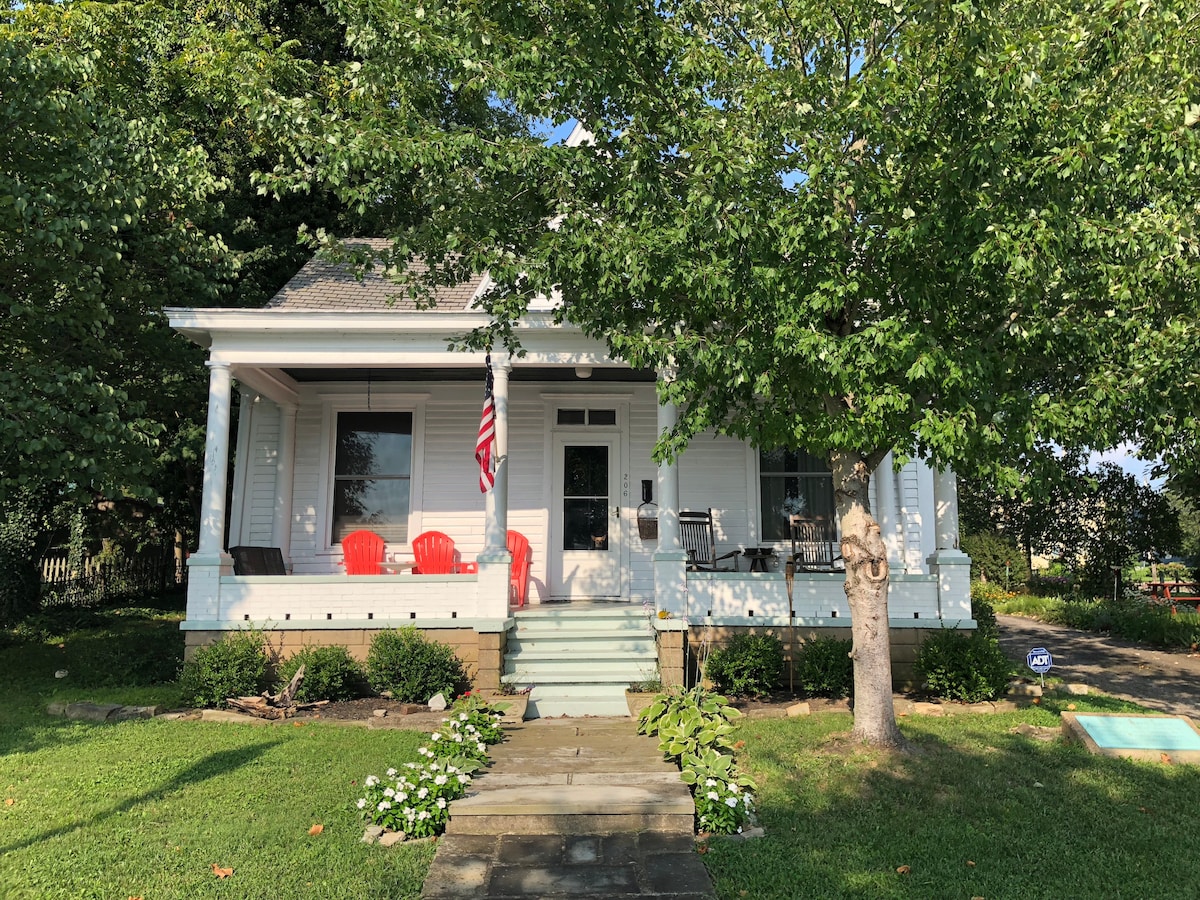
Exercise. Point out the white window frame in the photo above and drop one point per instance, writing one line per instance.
(331, 405)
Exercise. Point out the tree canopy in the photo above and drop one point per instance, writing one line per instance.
(959, 230)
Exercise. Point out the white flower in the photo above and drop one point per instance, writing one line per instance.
(733, 788)
(383, 805)
(731, 801)
(746, 798)
(362, 803)
(422, 793)
(462, 717)
(712, 795)
(710, 782)
(422, 816)
(482, 747)
(391, 773)
(441, 779)
(464, 779)
(389, 792)
(458, 737)
(371, 781)
(437, 736)
(441, 803)
(401, 796)
(470, 727)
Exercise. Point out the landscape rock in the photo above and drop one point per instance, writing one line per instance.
(799, 709)
(390, 838)
(379, 713)
(1021, 689)
(372, 834)
(91, 712)
(1075, 690)
(437, 702)
(134, 712)
(58, 708)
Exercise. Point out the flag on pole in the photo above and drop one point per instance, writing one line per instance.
(485, 444)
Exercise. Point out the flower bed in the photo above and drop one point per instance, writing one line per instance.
(414, 799)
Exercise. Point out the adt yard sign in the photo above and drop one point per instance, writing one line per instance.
(1039, 660)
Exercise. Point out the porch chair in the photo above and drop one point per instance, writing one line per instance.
(700, 541)
(435, 555)
(518, 546)
(813, 545)
(257, 561)
(362, 552)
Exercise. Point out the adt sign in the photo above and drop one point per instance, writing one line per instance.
(1039, 660)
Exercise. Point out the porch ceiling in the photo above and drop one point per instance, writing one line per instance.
(379, 374)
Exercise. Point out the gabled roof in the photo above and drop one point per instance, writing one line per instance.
(321, 285)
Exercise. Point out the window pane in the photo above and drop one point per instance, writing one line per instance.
(793, 483)
(570, 417)
(585, 524)
(374, 444)
(602, 417)
(378, 504)
(585, 472)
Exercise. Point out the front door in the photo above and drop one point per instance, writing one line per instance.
(586, 526)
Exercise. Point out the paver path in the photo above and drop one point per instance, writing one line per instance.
(578, 808)
(1164, 680)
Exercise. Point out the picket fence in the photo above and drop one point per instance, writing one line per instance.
(93, 582)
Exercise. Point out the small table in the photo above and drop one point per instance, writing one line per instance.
(758, 557)
(398, 567)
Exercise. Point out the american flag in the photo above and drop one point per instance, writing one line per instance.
(485, 444)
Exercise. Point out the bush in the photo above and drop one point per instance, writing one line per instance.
(412, 667)
(750, 665)
(990, 553)
(330, 673)
(984, 598)
(825, 668)
(232, 667)
(963, 666)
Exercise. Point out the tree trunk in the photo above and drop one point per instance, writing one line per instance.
(867, 578)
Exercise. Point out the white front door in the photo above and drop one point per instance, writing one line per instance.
(585, 518)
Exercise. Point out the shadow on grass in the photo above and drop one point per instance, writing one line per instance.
(212, 766)
(975, 811)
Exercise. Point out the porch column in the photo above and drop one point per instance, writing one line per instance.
(216, 463)
(670, 560)
(495, 560)
(951, 566)
(210, 561)
(285, 472)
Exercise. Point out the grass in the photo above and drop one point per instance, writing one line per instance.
(144, 808)
(976, 811)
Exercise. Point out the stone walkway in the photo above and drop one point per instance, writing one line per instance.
(580, 808)
(1164, 680)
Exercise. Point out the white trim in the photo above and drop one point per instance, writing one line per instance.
(331, 405)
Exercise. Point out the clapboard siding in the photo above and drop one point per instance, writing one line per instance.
(712, 474)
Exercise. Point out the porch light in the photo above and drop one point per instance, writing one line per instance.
(583, 371)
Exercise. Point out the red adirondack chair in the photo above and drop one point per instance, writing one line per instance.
(362, 553)
(518, 546)
(435, 555)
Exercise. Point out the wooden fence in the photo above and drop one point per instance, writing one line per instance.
(93, 582)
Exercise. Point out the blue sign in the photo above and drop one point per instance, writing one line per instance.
(1039, 660)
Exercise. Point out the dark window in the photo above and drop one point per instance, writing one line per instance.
(572, 416)
(587, 417)
(792, 482)
(585, 498)
(372, 473)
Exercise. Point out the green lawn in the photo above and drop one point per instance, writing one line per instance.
(977, 811)
(143, 809)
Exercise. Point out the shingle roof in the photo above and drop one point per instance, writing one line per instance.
(320, 285)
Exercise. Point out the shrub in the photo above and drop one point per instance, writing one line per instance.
(825, 668)
(963, 666)
(232, 667)
(413, 668)
(984, 598)
(750, 665)
(330, 673)
(990, 553)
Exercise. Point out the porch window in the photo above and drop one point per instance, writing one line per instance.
(791, 483)
(372, 473)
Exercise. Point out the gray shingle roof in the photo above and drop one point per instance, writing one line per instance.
(320, 285)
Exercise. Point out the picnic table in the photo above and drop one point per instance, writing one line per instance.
(1175, 592)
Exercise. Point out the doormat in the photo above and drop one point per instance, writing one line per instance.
(1135, 737)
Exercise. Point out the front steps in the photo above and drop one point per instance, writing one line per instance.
(578, 662)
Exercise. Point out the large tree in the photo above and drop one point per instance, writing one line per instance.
(956, 230)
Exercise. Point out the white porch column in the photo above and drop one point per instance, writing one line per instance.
(285, 473)
(216, 462)
(951, 566)
(494, 560)
(210, 561)
(670, 560)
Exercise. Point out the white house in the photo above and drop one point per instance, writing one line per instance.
(333, 364)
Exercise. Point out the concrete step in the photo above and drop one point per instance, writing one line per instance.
(579, 669)
(575, 809)
(596, 648)
(531, 676)
(553, 705)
